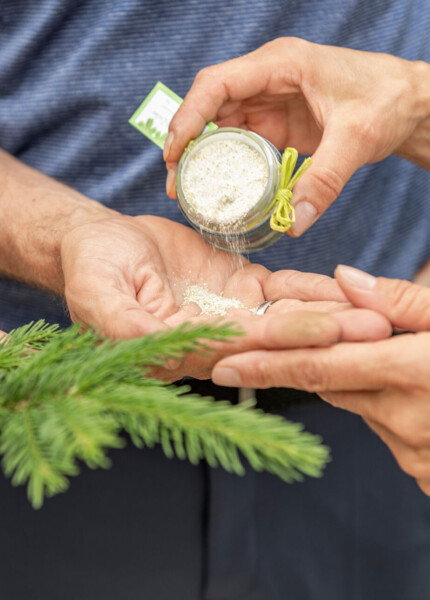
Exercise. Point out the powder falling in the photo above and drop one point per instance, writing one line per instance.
(209, 302)
(224, 180)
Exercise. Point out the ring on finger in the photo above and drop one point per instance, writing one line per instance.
(260, 310)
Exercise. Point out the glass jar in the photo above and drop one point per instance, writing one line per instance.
(253, 231)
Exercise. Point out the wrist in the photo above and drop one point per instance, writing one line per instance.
(416, 148)
(46, 242)
(84, 211)
(35, 214)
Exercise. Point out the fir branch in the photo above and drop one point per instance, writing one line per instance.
(201, 428)
(69, 401)
(21, 342)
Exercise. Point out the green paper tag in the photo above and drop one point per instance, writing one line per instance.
(153, 116)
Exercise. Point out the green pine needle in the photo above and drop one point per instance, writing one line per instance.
(65, 397)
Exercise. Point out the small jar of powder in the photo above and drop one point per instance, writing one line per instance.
(226, 184)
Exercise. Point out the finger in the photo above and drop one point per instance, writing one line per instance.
(358, 324)
(214, 87)
(302, 286)
(291, 330)
(115, 313)
(344, 366)
(236, 120)
(386, 413)
(424, 485)
(415, 462)
(277, 331)
(336, 159)
(230, 110)
(405, 304)
(361, 325)
(246, 284)
(171, 180)
(368, 404)
(285, 306)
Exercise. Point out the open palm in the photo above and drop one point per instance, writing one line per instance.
(127, 277)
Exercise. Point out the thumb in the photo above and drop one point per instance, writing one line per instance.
(110, 311)
(405, 304)
(336, 159)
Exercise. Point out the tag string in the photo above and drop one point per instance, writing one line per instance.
(283, 214)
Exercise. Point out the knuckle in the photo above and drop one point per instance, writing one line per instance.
(424, 485)
(409, 422)
(261, 375)
(286, 42)
(414, 464)
(405, 425)
(369, 134)
(365, 132)
(410, 299)
(211, 74)
(401, 292)
(327, 184)
(288, 277)
(281, 284)
(310, 376)
(204, 74)
(412, 437)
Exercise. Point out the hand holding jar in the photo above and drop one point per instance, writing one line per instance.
(345, 107)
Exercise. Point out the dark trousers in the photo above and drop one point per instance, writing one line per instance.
(157, 529)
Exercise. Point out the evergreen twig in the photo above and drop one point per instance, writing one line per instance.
(65, 397)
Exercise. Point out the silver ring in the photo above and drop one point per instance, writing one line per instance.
(260, 310)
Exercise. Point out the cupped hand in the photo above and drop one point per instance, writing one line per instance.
(127, 275)
(346, 107)
(386, 382)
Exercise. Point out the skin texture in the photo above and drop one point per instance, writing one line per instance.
(136, 286)
(126, 275)
(35, 213)
(386, 382)
(345, 107)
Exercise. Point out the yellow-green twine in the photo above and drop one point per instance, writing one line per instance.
(283, 214)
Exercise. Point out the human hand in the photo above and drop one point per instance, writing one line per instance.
(386, 382)
(126, 276)
(346, 107)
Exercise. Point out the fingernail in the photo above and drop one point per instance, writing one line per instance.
(167, 145)
(170, 181)
(306, 215)
(356, 278)
(226, 376)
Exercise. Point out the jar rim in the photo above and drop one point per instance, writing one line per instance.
(261, 208)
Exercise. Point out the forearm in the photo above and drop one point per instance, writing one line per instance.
(35, 213)
(416, 147)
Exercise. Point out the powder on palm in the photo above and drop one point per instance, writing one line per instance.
(209, 302)
(224, 180)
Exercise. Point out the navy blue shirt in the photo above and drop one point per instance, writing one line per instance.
(72, 72)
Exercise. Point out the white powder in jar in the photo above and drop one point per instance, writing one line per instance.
(209, 302)
(224, 180)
